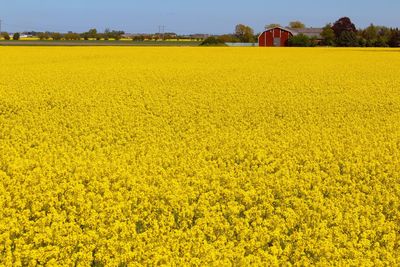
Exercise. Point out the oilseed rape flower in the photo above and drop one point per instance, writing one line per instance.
(122, 156)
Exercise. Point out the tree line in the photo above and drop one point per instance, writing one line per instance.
(342, 33)
(91, 34)
(56, 36)
(108, 34)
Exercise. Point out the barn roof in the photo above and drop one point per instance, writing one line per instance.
(310, 32)
(282, 28)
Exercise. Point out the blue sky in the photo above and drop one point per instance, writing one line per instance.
(206, 16)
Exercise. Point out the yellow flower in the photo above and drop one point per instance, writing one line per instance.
(115, 156)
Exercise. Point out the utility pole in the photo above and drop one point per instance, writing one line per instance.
(0, 28)
(161, 31)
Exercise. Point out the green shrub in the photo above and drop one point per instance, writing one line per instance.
(16, 36)
(6, 36)
(213, 41)
(300, 40)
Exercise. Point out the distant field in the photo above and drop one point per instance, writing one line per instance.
(97, 43)
(132, 156)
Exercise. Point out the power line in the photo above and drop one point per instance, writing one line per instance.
(161, 31)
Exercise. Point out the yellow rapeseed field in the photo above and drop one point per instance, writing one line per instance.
(121, 156)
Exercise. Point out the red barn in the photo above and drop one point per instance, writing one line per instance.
(279, 36)
(275, 37)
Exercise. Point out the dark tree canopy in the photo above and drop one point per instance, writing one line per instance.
(16, 36)
(394, 40)
(343, 25)
(348, 39)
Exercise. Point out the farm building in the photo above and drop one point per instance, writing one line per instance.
(279, 36)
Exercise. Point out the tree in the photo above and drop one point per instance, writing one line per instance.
(362, 42)
(107, 33)
(138, 38)
(343, 25)
(300, 40)
(328, 35)
(370, 34)
(347, 39)
(116, 35)
(99, 36)
(6, 36)
(272, 25)
(147, 37)
(56, 36)
(244, 33)
(394, 40)
(72, 36)
(376, 36)
(16, 36)
(383, 35)
(85, 36)
(43, 35)
(345, 32)
(296, 25)
(381, 42)
(92, 33)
